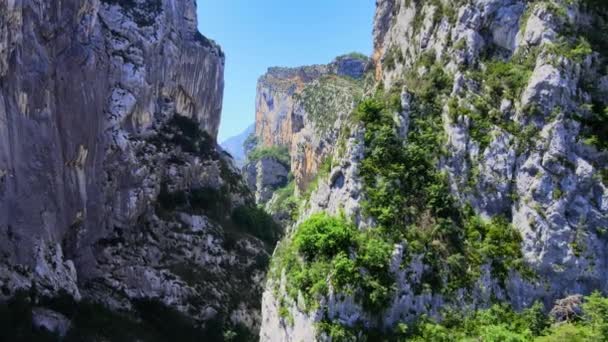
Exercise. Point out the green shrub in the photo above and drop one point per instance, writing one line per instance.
(410, 198)
(329, 97)
(169, 201)
(393, 56)
(576, 50)
(506, 79)
(595, 128)
(501, 323)
(250, 143)
(16, 321)
(323, 171)
(279, 153)
(330, 249)
(216, 204)
(322, 236)
(286, 201)
(356, 55)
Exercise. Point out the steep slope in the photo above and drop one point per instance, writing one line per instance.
(474, 172)
(235, 145)
(301, 109)
(112, 189)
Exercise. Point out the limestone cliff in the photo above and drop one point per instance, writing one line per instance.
(504, 101)
(112, 189)
(302, 108)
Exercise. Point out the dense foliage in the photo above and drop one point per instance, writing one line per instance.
(410, 199)
(280, 153)
(325, 99)
(328, 251)
(286, 201)
(499, 323)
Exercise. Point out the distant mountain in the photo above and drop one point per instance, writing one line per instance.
(234, 145)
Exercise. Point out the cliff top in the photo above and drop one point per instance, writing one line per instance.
(350, 65)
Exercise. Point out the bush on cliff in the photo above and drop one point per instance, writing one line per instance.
(280, 153)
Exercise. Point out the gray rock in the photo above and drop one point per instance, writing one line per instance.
(109, 111)
(349, 66)
(540, 176)
(264, 177)
(51, 321)
(567, 309)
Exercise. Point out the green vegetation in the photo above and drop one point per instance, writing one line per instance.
(286, 201)
(329, 97)
(575, 50)
(500, 80)
(409, 199)
(501, 323)
(595, 127)
(393, 56)
(255, 221)
(322, 172)
(326, 248)
(356, 55)
(604, 175)
(507, 79)
(280, 153)
(443, 9)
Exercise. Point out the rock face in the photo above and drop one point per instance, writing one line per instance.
(108, 116)
(302, 108)
(533, 155)
(264, 177)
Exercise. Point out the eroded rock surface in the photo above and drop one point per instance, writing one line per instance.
(303, 108)
(529, 156)
(111, 185)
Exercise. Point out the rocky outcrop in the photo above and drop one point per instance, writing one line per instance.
(302, 109)
(264, 177)
(520, 143)
(108, 116)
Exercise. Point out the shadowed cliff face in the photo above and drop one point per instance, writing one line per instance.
(109, 110)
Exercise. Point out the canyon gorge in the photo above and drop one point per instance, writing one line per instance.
(451, 186)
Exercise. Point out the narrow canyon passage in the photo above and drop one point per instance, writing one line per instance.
(450, 186)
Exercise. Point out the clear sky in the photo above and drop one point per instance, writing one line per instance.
(257, 34)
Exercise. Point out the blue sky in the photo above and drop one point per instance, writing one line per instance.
(257, 34)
